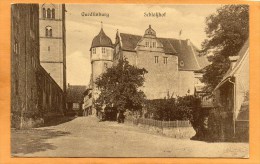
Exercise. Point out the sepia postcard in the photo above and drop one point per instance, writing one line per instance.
(130, 81)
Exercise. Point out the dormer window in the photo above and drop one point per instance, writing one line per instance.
(93, 50)
(103, 50)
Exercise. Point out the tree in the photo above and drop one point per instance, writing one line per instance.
(119, 87)
(227, 30)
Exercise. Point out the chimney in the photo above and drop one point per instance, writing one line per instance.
(233, 60)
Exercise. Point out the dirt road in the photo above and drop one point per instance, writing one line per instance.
(86, 137)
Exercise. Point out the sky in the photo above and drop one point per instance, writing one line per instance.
(80, 30)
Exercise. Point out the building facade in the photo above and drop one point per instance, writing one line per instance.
(170, 62)
(232, 99)
(29, 105)
(87, 105)
(52, 33)
(75, 99)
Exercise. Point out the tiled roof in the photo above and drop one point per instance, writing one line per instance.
(75, 93)
(129, 41)
(188, 57)
(101, 40)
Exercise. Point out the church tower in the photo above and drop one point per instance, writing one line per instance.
(53, 41)
(101, 54)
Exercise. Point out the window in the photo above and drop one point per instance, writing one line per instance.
(165, 60)
(49, 48)
(154, 44)
(75, 106)
(48, 31)
(44, 13)
(103, 50)
(147, 44)
(156, 59)
(53, 13)
(48, 13)
(93, 50)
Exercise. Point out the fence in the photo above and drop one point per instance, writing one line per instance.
(160, 124)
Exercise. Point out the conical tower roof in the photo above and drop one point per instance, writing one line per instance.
(101, 40)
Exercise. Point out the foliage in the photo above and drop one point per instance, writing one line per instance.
(119, 87)
(182, 108)
(226, 30)
(161, 109)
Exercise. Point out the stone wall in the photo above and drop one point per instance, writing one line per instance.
(180, 132)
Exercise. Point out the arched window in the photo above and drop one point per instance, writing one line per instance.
(53, 13)
(48, 31)
(44, 13)
(48, 13)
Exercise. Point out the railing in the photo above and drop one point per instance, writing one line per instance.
(157, 123)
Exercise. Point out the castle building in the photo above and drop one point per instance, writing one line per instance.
(101, 54)
(34, 94)
(53, 41)
(170, 62)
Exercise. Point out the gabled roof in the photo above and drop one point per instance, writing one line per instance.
(241, 55)
(75, 93)
(231, 72)
(188, 57)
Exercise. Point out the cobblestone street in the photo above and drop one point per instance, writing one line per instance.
(87, 137)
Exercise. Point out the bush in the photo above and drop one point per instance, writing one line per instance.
(181, 108)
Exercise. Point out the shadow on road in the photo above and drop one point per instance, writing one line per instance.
(32, 140)
(53, 121)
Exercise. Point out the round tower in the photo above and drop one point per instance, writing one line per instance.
(101, 55)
